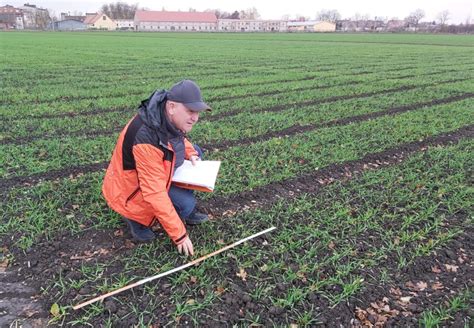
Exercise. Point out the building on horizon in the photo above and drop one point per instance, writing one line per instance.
(311, 26)
(155, 21)
(11, 18)
(251, 25)
(99, 21)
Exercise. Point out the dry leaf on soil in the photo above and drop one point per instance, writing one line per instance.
(451, 268)
(421, 286)
(220, 290)
(437, 286)
(242, 274)
(395, 291)
(405, 299)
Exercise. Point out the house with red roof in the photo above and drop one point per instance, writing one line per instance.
(99, 21)
(180, 21)
(11, 18)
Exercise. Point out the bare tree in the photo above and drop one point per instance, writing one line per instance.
(219, 13)
(361, 20)
(249, 13)
(302, 18)
(234, 15)
(330, 15)
(42, 19)
(415, 17)
(119, 10)
(285, 17)
(443, 17)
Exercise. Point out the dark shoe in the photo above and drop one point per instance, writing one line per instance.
(140, 232)
(196, 218)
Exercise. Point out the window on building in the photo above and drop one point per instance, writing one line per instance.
(104, 18)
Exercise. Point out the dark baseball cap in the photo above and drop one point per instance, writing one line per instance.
(188, 93)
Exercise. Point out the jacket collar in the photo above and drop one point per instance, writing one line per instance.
(152, 113)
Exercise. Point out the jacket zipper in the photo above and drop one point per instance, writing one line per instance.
(171, 170)
(132, 195)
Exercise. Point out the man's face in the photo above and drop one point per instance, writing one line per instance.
(182, 118)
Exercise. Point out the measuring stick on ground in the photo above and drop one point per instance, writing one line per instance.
(141, 282)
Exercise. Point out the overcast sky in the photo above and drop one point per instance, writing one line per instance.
(459, 10)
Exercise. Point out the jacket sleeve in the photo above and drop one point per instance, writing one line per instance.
(189, 149)
(153, 180)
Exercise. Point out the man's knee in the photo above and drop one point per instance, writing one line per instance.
(183, 201)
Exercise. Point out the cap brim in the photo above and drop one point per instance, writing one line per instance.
(197, 106)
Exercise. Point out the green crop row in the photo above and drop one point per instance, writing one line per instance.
(137, 81)
(332, 244)
(46, 155)
(113, 120)
(278, 159)
(125, 92)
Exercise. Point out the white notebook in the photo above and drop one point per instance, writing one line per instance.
(201, 176)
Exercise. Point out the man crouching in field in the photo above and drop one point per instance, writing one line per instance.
(152, 145)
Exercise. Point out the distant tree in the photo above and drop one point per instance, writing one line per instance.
(249, 13)
(234, 15)
(42, 19)
(361, 20)
(443, 17)
(331, 15)
(285, 18)
(302, 18)
(119, 10)
(192, 10)
(219, 13)
(415, 17)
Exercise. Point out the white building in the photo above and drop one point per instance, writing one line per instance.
(155, 21)
(34, 17)
(251, 25)
(311, 26)
(124, 24)
(11, 17)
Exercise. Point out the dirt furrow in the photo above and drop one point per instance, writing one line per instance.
(351, 312)
(282, 107)
(297, 129)
(265, 196)
(293, 130)
(95, 133)
(223, 98)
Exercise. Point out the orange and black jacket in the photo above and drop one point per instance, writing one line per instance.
(139, 175)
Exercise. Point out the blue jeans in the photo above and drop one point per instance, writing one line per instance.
(183, 199)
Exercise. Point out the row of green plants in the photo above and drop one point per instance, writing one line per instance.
(334, 244)
(279, 159)
(113, 120)
(46, 155)
(122, 91)
(88, 86)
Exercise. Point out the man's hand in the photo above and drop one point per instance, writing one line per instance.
(186, 247)
(194, 159)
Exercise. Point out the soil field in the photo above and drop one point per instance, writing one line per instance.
(358, 148)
